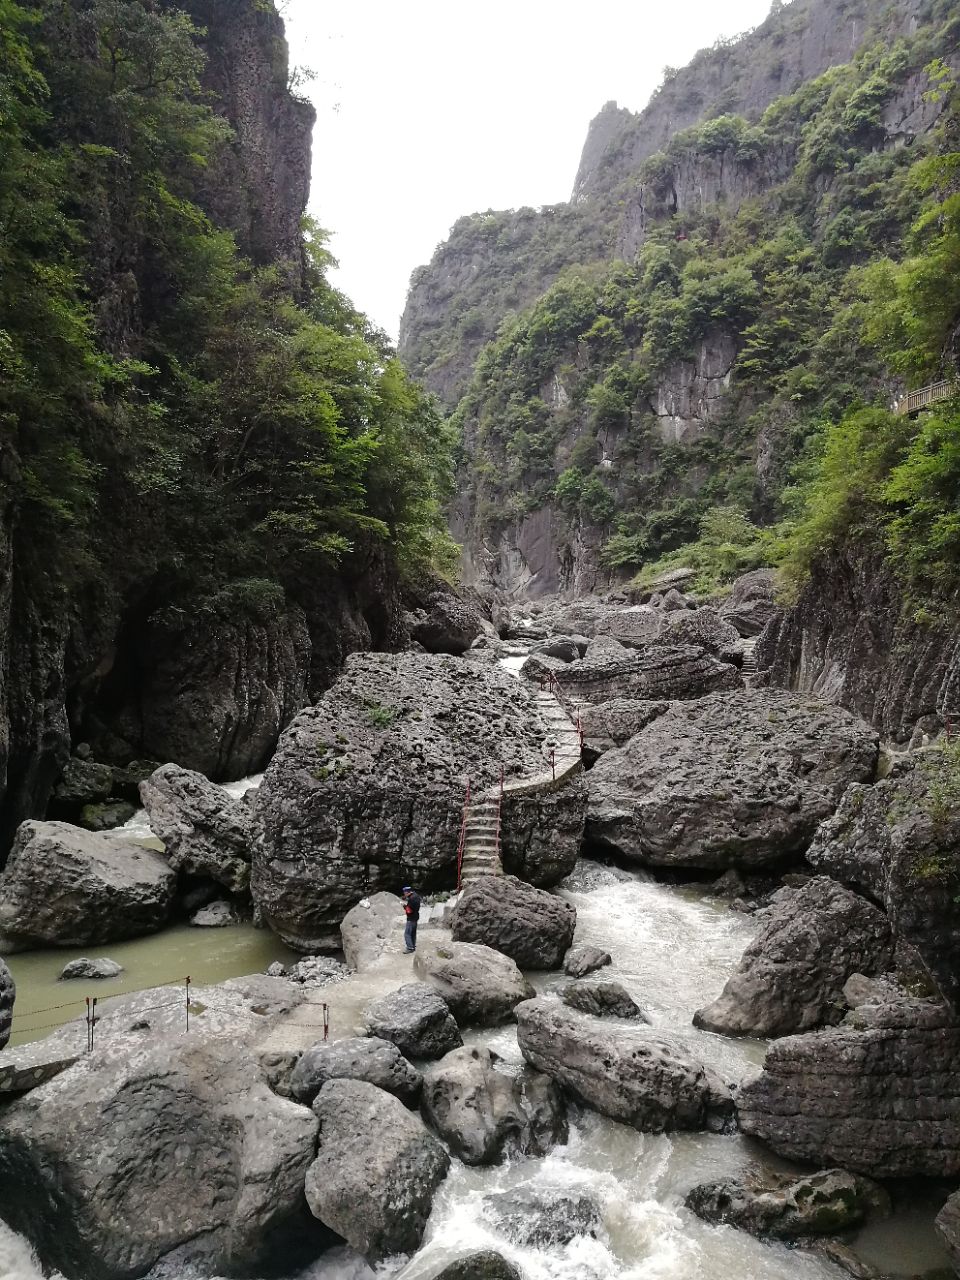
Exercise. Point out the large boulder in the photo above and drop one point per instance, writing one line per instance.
(371, 933)
(785, 1207)
(137, 1150)
(444, 620)
(91, 969)
(603, 1000)
(584, 959)
(532, 927)
(662, 670)
(416, 1020)
(480, 986)
(535, 1219)
(205, 832)
(948, 1224)
(728, 781)
(751, 602)
(884, 1101)
(607, 725)
(368, 1058)
(703, 627)
(482, 1113)
(366, 790)
(623, 1071)
(485, 1265)
(792, 976)
(899, 842)
(376, 1171)
(8, 993)
(65, 887)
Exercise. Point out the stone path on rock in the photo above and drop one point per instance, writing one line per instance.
(749, 667)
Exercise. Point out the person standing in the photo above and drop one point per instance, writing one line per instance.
(411, 907)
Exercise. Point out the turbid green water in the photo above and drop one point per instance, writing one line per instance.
(207, 955)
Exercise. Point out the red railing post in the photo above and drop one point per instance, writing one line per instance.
(463, 837)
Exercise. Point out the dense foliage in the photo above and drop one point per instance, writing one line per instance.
(176, 420)
(823, 278)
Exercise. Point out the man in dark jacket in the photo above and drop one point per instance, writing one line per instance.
(411, 907)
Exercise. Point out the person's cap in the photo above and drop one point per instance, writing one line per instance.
(406, 889)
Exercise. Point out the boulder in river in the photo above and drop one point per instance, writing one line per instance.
(376, 1171)
(792, 976)
(485, 1265)
(66, 887)
(483, 1114)
(217, 915)
(366, 790)
(8, 993)
(533, 927)
(535, 1219)
(899, 842)
(741, 780)
(368, 1058)
(785, 1207)
(581, 960)
(883, 1101)
(96, 969)
(416, 1019)
(628, 1073)
(205, 832)
(136, 1150)
(480, 986)
(603, 1000)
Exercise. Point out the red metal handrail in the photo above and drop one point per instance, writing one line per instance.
(500, 811)
(550, 683)
(463, 837)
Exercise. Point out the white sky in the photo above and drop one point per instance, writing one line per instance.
(430, 109)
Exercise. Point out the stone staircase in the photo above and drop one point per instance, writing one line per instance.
(481, 840)
(749, 664)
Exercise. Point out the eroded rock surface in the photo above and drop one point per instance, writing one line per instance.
(366, 790)
(751, 602)
(376, 1171)
(8, 993)
(723, 781)
(948, 1224)
(607, 725)
(792, 976)
(416, 1019)
(85, 968)
(529, 925)
(205, 832)
(787, 1208)
(579, 961)
(624, 1072)
(368, 1058)
(603, 1000)
(480, 986)
(486, 1265)
(537, 1219)
(66, 887)
(663, 670)
(444, 620)
(372, 931)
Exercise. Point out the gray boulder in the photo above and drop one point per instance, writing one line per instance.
(372, 932)
(661, 670)
(317, 971)
(376, 1171)
(482, 1114)
(603, 1000)
(218, 915)
(785, 1207)
(8, 994)
(366, 789)
(948, 1224)
(444, 620)
(416, 1019)
(563, 647)
(624, 1072)
(884, 1101)
(96, 969)
(792, 976)
(66, 887)
(607, 725)
(485, 1265)
(751, 602)
(205, 832)
(579, 961)
(532, 927)
(898, 842)
(137, 1150)
(703, 627)
(480, 986)
(536, 1219)
(728, 781)
(106, 816)
(368, 1058)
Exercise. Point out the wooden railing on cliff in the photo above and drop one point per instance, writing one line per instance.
(914, 401)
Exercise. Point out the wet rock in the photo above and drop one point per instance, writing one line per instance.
(532, 927)
(203, 829)
(607, 725)
(662, 670)
(480, 986)
(368, 1058)
(66, 887)
(218, 915)
(8, 993)
(788, 1208)
(83, 782)
(730, 885)
(581, 960)
(482, 1113)
(485, 1265)
(948, 1224)
(106, 816)
(366, 790)
(372, 931)
(883, 1101)
(443, 619)
(376, 1171)
(898, 842)
(416, 1020)
(792, 976)
(726, 781)
(751, 603)
(624, 1072)
(153, 1147)
(535, 1219)
(317, 971)
(603, 1000)
(95, 969)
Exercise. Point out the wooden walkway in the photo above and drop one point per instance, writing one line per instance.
(923, 397)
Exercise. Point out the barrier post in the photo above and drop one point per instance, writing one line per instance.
(553, 763)
(188, 1001)
(89, 1027)
(326, 1021)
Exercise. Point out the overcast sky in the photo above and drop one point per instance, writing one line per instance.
(430, 109)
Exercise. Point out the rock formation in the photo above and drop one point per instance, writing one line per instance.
(65, 887)
(788, 1208)
(728, 781)
(532, 927)
(8, 994)
(480, 986)
(603, 1000)
(579, 961)
(534, 1219)
(416, 1020)
(368, 1058)
(205, 832)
